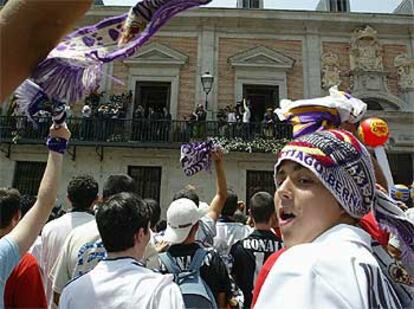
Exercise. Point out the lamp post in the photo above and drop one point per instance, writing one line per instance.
(207, 81)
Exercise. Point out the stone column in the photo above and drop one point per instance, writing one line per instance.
(206, 63)
(312, 53)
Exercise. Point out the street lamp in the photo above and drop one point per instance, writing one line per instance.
(207, 81)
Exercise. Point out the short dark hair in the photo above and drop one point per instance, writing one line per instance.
(230, 206)
(119, 218)
(118, 183)
(26, 203)
(82, 191)
(161, 226)
(188, 193)
(262, 207)
(155, 211)
(9, 205)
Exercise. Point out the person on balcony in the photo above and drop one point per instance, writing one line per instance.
(166, 123)
(269, 121)
(138, 125)
(44, 119)
(200, 117)
(246, 118)
(86, 124)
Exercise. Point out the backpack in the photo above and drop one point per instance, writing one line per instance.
(196, 293)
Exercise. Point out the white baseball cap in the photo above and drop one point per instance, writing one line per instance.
(182, 215)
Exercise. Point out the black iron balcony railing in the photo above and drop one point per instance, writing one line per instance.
(133, 132)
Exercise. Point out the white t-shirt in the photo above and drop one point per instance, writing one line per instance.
(9, 258)
(246, 115)
(227, 234)
(336, 270)
(53, 237)
(231, 117)
(66, 263)
(122, 283)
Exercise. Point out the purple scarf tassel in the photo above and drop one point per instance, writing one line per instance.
(30, 99)
(74, 67)
(196, 157)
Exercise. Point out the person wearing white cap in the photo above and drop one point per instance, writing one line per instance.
(183, 218)
(207, 229)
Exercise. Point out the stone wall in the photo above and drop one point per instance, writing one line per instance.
(229, 47)
(186, 96)
(117, 160)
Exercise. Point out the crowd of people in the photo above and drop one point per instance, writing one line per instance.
(106, 251)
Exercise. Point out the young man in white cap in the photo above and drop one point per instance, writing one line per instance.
(207, 228)
(121, 280)
(183, 218)
(325, 184)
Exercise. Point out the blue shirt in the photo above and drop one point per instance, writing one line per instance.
(9, 258)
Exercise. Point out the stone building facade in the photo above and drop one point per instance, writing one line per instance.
(266, 55)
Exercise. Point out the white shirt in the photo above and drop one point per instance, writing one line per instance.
(336, 270)
(53, 237)
(86, 111)
(231, 117)
(67, 261)
(246, 115)
(227, 234)
(122, 283)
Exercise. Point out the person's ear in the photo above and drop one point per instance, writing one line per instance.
(140, 235)
(16, 218)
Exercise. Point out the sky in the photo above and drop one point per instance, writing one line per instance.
(372, 6)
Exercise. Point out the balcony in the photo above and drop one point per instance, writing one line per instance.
(135, 133)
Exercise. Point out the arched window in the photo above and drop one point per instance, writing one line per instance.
(373, 105)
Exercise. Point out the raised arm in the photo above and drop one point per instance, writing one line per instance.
(245, 104)
(219, 199)
(26, 231)
(29, 31)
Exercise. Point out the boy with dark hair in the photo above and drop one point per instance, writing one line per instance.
(9, 209)
(151, 253)
(82, 193)
(189, 193)
(121, 280)
(155, 212)
(118, 183)
(250, 253)
(228, 231)
(231, 204)
(81, 251)
(24, 287)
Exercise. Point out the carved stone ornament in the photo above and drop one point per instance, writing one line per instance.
(330, 71)
(405, 67)
(366, 50)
